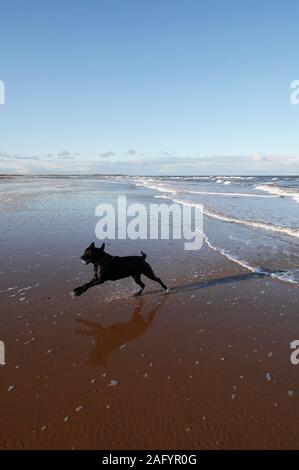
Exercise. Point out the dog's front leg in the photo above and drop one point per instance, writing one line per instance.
(81, 289)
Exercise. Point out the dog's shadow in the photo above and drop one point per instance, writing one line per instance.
(110, 338)
(211, 283)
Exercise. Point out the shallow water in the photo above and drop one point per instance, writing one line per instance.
(252, 220)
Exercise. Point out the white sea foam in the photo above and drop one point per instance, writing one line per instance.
(246, 178)
(290, 276)
(155, 184)
(250, 223)
(211, 193)
(255, 224)
(152, 185)
(287, 276)
(281, 192)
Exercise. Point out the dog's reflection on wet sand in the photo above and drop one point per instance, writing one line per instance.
(112, 337)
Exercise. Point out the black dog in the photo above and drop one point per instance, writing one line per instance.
(112, 268)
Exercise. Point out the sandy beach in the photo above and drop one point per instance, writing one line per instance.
(206, 366)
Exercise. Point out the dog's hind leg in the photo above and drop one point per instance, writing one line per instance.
(148, 272)
(138, 281)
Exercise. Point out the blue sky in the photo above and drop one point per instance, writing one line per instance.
(139, 86)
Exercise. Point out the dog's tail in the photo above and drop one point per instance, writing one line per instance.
(143, 254)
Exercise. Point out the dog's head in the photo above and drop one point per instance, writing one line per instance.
(92, 254)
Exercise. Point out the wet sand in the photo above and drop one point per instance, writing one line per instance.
(206, 366)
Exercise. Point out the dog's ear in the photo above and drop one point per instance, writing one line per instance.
(92, 245)
(103, 246)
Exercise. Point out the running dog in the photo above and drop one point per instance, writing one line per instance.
(112, 268)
